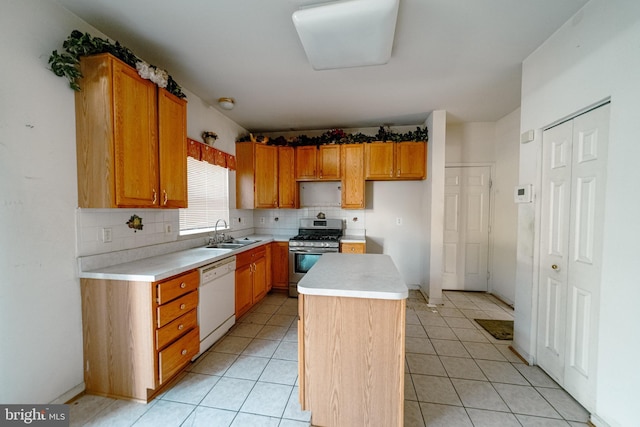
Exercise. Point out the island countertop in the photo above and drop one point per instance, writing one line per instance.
(354, 275)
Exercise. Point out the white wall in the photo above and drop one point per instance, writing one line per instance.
(40, 309)
(40, 321)
(502, 281)
(592, 57)
(472, 142)
(433, 208)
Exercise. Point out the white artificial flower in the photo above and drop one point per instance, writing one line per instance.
(143, 70)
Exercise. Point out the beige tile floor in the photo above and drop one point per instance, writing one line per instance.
(456, 375)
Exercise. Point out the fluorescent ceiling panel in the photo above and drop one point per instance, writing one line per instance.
(344, 34)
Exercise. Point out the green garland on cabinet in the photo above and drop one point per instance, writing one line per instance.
(338, 136)
(83, 44)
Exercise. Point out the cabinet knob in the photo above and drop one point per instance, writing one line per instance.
(183, 352)
(182, 306)
(180, 327)
(555, 267)
(183, 285)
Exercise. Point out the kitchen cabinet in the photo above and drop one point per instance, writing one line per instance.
(138, 336)
(395, 160)
(318, 163)
(364, 377)
(251, 278)
(287, 187)
(130, 139)
(261, 181)
(353, 248)
(352, 162)
(352, 308)
(280, 265)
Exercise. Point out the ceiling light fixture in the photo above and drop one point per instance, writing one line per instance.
(350, 33)
(226, 103)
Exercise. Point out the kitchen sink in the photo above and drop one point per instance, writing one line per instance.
(233, 244)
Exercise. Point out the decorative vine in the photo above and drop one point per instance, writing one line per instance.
(338, 136)
(83, 44)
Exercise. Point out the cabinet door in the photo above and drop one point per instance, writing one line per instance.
(266, 176)
(306, 162)
(259, 277)
(329, 162)
(353, 176)
(379, 160)
(135, 138)
(172, 140)
(411, 160)
(280, 265)
(244, 289)
(286, 178)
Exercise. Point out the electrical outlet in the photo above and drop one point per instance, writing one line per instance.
(399, 221)
(261, 220)
(106, 235)
(167, 228)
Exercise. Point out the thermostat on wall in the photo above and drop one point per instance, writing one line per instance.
(523, 194)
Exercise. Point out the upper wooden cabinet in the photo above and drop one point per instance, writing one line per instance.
(352, 160)
(130, 138)
(395, 160)
(256, 175)
(287, 188)
(318, 163)
(265, 176)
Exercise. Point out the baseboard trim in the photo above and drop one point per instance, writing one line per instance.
(70, 395)
(596, 421)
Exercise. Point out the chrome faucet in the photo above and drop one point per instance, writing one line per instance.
(215, 236)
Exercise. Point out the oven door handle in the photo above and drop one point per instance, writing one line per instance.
(313, 250)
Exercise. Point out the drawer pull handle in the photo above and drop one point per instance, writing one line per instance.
(182, 306)
(183, 285)
(183, 352)
(180, 327)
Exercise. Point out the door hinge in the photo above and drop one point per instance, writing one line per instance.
(490, 184)
(488, 275)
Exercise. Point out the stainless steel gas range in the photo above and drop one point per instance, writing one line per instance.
(315, 237)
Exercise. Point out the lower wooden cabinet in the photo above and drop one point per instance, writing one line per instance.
(251, 278)
(362, 382)
(353, 248)
(138, 336)
(280, 265)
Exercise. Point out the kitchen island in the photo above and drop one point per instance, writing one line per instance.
(351, 338)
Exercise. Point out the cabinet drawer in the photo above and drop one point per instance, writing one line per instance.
(178, 327)
(247, 257)
(177, 286)
(178, 354)
(176, 308)
(353, 248)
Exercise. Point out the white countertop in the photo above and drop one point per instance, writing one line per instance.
(354, 275)
(352, 238)
(161, 267)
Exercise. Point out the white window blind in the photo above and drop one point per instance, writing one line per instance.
(208, 191)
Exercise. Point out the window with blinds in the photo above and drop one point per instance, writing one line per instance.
(208, 191)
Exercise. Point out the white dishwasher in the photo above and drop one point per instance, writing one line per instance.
(217, 301)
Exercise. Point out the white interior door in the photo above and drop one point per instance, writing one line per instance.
(574, 166)
(466, 228)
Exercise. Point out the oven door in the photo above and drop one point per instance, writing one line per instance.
(300, 261)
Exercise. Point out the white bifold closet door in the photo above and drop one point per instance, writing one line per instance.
(572, 208)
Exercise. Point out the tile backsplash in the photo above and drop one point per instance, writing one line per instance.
(160, 231)
(159, 226)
